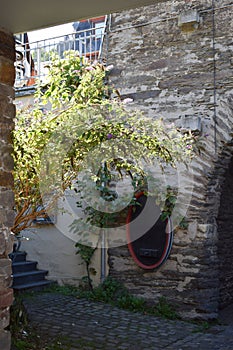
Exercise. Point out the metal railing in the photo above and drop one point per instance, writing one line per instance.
(33, 59)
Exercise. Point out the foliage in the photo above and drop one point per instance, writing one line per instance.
(64, 289)
(203, 326)
(166, 310)
(35, 125)
(108, 292)
(28, 144)
(45, 55)
(74, 80)
(183, 224)
(114, 292)
(169, 203)
(18, 317)
(86, 253)
(83, 119)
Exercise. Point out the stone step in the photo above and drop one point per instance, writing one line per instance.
(18, 256)
(23, 278)
(35, 286)
(23, 266)
(25, 273)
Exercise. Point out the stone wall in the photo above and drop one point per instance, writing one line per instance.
(225, 243)
(7, 113)
(183, 74)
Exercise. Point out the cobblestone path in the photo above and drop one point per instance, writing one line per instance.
(91, 325)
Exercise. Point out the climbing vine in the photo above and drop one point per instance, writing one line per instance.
(76, 93)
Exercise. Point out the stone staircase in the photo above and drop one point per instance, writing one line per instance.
(26, 276)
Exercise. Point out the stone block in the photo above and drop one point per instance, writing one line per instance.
(9, 241)
(5, 273)
(6, 149)
(7, 71)
(7, 162)
(7, 45)
(6, 179)
(6, 198)
(189, 17)
(7, 109)
(5, 340)
(4, 317)
(6, 132)
(6, 90)
(189, 123)
(10, 217)
(6, 298)
(5, 264)
(2, 238)
(159, 64)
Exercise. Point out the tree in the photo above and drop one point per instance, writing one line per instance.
(82, 117)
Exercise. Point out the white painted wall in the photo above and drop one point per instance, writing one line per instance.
(56, 253)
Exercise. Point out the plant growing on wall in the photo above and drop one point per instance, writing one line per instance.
(67, 86)
(82, 111)
(86, 253)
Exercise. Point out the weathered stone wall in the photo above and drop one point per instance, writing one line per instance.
(7, 113)
(183, 74)
(225, 243)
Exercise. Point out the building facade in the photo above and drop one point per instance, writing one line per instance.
(11, 22)
(174, 59)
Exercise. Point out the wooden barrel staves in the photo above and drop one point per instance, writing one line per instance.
(149, 237)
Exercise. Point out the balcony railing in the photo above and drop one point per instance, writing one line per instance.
(33, 59)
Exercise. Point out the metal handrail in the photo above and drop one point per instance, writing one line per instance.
(32, 62)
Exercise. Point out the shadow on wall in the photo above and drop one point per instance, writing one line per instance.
(225, 240)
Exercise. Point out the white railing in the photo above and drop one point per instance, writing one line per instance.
(33, 60)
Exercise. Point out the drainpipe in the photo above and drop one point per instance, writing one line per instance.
(103, 257)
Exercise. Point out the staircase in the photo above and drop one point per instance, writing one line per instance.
(26, 276)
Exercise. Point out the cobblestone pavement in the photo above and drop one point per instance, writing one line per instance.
(91, 325)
